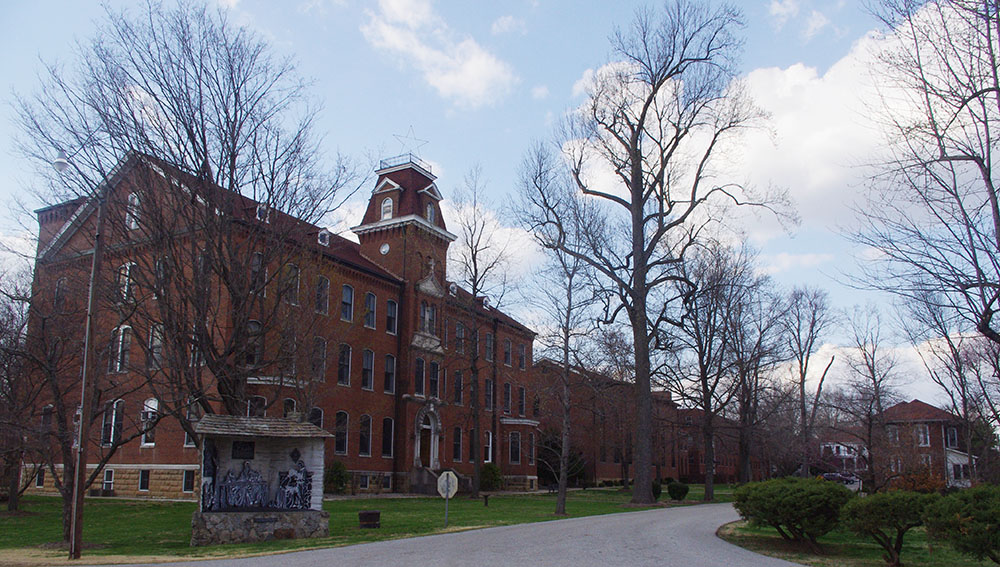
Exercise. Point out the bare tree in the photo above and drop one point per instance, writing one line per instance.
(655, 122)
(196, 142)
(562, 296)
(807, 318)
(701, 365)
(481, 258)
(870, 389)
(933, 213)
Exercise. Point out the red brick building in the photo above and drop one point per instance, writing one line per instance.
(378, 346)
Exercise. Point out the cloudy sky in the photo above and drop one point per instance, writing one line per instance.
(478, 82)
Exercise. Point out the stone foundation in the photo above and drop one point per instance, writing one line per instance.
(209, 528)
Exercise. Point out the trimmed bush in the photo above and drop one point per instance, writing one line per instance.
(886, 517)
(490, 477)
(677, 490)
(969, 520)
(800, 509)
(657, 489)
(335, 478)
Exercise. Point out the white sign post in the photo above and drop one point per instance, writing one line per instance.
(447, 487)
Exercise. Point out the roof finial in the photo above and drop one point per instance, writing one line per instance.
(410, 143)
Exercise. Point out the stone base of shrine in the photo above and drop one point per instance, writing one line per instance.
(209, 528)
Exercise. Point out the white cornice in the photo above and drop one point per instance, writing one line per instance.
(399, 221)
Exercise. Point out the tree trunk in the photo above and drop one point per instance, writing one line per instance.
(14, 488)
(564, 452)
(642, 492)
(477, 432)
(745, 473)
(708, 433)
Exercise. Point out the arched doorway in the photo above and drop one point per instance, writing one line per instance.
(426, 435)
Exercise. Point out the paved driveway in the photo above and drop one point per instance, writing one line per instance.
(684, 537)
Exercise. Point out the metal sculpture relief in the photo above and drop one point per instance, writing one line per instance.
(295, 486)
(248, 490)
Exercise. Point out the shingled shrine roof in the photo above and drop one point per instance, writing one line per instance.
(237, 426)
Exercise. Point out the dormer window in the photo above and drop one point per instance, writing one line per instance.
(323, 238)
(263, 213)
(430, 212)
(387, 208)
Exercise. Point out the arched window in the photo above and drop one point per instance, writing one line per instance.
(340, 434)
(255, 344)
(390, 374)
(287, 407)
(256, 406)
(316, 417)
(391, 308)
(430, 212)
(124, 282)
(318, 370)
(148, 418)
(387, 208)
(347, 303)
(344, 365)
(365, 436)
(111, 426)
(288, 284)
(370, 302)
(387, 436)
(367, 370)
(59, 296)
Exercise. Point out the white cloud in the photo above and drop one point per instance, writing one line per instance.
(817, 22)
(782, 10)
(540, 92)
(508, 24)
(459, 69)
(782, 262)
(583, 83)
(228, 3)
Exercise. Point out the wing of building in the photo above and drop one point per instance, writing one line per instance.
(211, 300)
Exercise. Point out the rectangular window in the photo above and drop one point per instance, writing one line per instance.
(488, 447)
(40, 478)
(960, 472)
(892, 433)
(363, 481)
(188, 485)
(515, 447)
(521, 356)
(460, 338)
(488, 393)
(391, 314)
(531, 448)
(367, 370)
(506, 397)
(390, 374)
(340, 434)
(456, 445)
(432, 380)
(418, 378)
(952, 437)
(144, 480)
(111, 428)
(489, 347)
(522, 399)
(347, 303)
(507, 352)
(322, 295)
(387, 482)
(148, 419)
(258, 276)
(109, 480)
(154, 356)
(370, 302)
(456, 381)
(121, 342)
(318, 362)
(344, 366)
(923, 435)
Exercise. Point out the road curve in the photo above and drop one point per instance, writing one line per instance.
(683, 536)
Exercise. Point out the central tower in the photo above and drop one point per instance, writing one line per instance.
(403, 229)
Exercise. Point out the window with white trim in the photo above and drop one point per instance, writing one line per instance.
(143, 480)
(316, 417)
(111, 426)
(490, 347)
(514, 446)
(109, 480)
(287, 407)
(432, 380)
(256, 406)
(340, 433)
(367, 370)
(133, 211)
(255, 344)
(387, 208)
(148, 420)
(521, 356)
(365, 436)
(418, 377)
(187, 484)
(456, 445)
(952, 437)
(370, 302)
(389, 387)
(391, 316)
(388, 432)
(923, 435)
(318, 363)
(154, 355)
(488, 393)
(522, 400)
(344, 365)
(507, 352)
(40, 478)
(347, 303)
(125, 283)
(488, 447)
(121, 341)
(506, 397)
(322, 294)
(288, 284)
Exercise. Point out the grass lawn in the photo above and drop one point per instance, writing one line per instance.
(844, 549)
(116, 528)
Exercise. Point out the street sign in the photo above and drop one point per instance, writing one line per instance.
(447, 484)
(447, 487)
